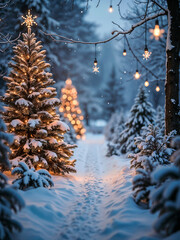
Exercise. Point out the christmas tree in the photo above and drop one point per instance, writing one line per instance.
(31, 114)
(70, 108)
(160, 119)
(141, 114)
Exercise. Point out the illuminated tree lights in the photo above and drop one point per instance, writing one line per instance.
(137, 74)
(31, 110)
(71, 110)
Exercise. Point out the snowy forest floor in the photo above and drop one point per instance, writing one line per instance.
(93, 204)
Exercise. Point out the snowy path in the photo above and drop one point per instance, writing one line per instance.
(93, 204)
(84, 218)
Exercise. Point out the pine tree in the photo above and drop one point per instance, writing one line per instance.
(141, 114)
(31, 113)
(160, 119)
(113, 144)
(10, 201)
(70, 108)
(110, 127)
(113, 100)
(165, 198)
(154, 151)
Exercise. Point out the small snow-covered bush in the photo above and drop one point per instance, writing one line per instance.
(10, 201)
(113, 145)
(110, 127)
(166, 197)
(153, 152)
(30, 178)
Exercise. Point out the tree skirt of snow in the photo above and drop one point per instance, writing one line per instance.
(95, 203)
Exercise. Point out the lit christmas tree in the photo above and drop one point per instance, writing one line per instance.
(30, 113)
(71, 110)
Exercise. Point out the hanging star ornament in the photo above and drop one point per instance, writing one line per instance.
(146, 55)
(29, 20)
(95, 69)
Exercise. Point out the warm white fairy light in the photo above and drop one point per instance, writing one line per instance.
(146, 84)
(156, 31)
(124, 52)
(95, 67)
(157, 88)
(111, 9)
(137, 74)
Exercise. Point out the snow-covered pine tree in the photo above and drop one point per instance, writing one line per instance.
(112, 93)
(31, 110)
(10, 200)
(160, 119)
(70, 108)
(113, 146)
(165, 198)
(141, 114)
(110, 127)
(154, 151)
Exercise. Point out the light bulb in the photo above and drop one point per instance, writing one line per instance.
(124, 52)
(146, 84)
(146, 54)
(111, 9)
(68, 81)
(156, 32)
(137, 75)
(157, 88)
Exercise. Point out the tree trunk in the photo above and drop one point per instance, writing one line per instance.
(172, 119)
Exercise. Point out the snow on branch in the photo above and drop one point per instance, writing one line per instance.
(116, 32)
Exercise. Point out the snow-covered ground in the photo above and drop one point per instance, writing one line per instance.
(93, 204)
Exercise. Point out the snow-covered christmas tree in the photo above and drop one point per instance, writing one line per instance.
(141, 114)
(70, 108)
(31, 109)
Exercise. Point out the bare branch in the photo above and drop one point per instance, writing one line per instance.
(116, 33)
(159, 6)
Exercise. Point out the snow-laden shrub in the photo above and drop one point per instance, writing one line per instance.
(30, 178)
(10, 202)
(166, 197)
(160, 119)
(153, 145)
(142, 184)
(154, 151)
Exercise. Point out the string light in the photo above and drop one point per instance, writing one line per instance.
(95, 67)
(157, 87)
(124, 52)
(156, 32)
(110, 7)
(137, 74)
(146, 53)
(146, 83)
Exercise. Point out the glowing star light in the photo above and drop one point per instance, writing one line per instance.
(156, 32)
(29, 20)
(146, 53)
(95, 67)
